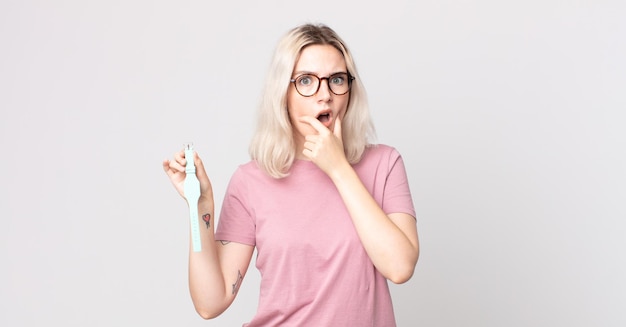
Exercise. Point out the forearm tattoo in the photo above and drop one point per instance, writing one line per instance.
(207, 220)
(237, 282)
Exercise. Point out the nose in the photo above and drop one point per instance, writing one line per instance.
(324, 91)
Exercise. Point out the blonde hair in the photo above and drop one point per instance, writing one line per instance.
(273, 145)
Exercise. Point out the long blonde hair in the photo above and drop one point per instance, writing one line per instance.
(273, 145)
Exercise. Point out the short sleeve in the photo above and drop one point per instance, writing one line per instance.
(236, 222)
(397, 194)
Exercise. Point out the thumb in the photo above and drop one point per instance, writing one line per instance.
(337, 128)
(200, 172)
(203, 177)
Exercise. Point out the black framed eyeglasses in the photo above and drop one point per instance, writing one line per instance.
(308, 84)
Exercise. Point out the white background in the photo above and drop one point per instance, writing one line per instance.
(509, 115)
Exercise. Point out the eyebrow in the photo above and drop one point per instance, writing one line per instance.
(304, 72)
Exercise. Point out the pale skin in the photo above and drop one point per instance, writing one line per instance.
(216, 271)
(390, 240)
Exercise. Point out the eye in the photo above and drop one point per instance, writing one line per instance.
(305, 80)
(338, 79)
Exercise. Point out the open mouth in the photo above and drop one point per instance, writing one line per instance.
(324, 118)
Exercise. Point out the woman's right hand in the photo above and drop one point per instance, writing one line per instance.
(210, 268)
(175, 170)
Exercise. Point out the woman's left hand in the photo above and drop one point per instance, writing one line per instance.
(326, 148)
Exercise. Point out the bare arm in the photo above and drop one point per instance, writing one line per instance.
(216, 272)
(390, 241)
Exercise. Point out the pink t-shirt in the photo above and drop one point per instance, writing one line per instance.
(314, 269)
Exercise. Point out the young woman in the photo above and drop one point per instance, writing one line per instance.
(331, 216)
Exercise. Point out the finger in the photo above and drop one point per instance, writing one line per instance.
(175, 166)
(200, 171)
(307, 153)
(180, 158)
(171, 168)
(319, 127)
(337, 128)
(312, 138)
(166, 166)
(308, 145)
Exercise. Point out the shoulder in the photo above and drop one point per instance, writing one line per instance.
(379, 152)
(378, 157)
(250, 167)
(250, 172)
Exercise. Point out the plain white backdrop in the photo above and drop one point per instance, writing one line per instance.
(510, 116)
